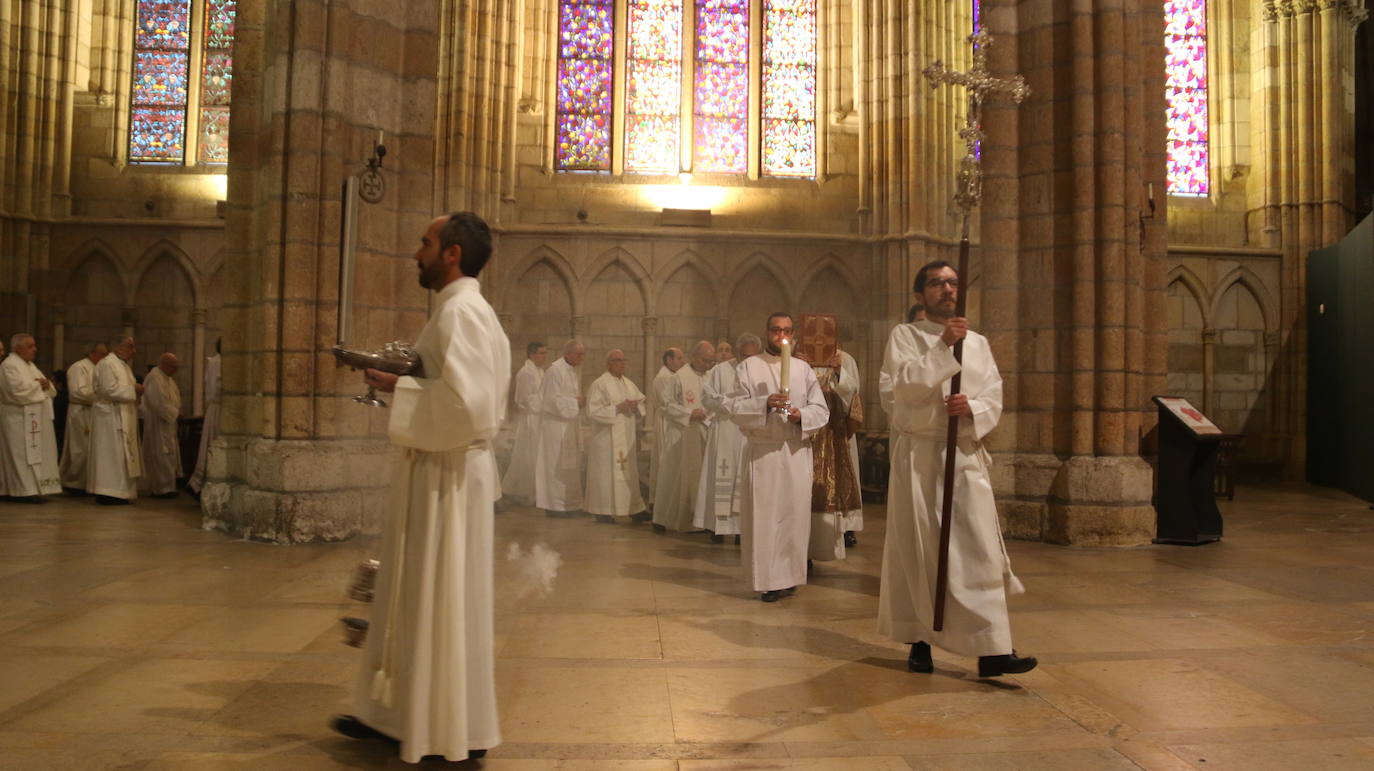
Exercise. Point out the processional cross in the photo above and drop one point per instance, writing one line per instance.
(981, 86)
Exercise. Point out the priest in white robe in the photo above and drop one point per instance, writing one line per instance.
(115, 463)
(161, 409)
(76, 447)
(558, 467)
(717, 507)
(518, 483)
(775, 492)
(427, 678)
(687, 420)
(209, 427)
(664, 434)
(614, 406)
(914, 388)
(29, 465)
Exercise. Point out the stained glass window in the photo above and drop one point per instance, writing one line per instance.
(585, 85)
(162, 62)
(653, 110)
(217, 71)
(1185, 90)
(713, 74)
(721, 91)
(181, 81)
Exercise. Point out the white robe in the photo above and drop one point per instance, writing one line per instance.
(29, 464)
(717, 507)
(847, 386)
(115, 463)
(679, 469)
(658, 387)
(76, 445)
(161, 451)
(209, 428)
(518, 483)
(917, 368)
(775, 492)
(427, 675)
(613, 448)
(558, 467)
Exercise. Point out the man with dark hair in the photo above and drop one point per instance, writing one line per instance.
(427, 677)
(778, 405)
(915, 392)
(468, 232)
(518, 483)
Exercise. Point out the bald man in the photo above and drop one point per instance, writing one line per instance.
(558, 467)
(80, 397)
(115, 462)
(161, 408)
(614, 406)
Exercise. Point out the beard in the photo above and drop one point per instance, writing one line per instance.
(432, 274)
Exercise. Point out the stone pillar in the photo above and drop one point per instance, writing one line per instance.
(651, 362)
(314, 82)
(1306, 75)
(1209, 369)
(129, 318)
(581, 326)
(198, 361)
(59, 338)
(1073, 302)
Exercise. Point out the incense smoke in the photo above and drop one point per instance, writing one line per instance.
(537, 569)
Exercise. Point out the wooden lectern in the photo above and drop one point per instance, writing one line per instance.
(1185, 497)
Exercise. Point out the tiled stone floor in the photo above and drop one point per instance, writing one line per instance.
(131, 639)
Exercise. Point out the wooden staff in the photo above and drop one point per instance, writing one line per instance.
(951, 445)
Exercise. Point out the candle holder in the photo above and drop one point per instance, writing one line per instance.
(787, 405)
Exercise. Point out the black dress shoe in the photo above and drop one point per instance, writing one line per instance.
(173, 494)
(354, 728)
(27, 499)
(789, 591)
(772, 596)
(919, 659)
(1006, 664)
(659, 528)
(74, 492)
(717, 538)
(108, 500)
(851, 539)
(737, 540)
(642, 516)
(605, 519)
(476, 754)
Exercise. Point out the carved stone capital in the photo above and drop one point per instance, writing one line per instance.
(1270, 11)
(1271, 339)
(580, 325)
(1209, 335)
(198, 317)
(649, 324)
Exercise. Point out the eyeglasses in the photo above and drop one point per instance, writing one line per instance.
(936, 283)
(780, 330)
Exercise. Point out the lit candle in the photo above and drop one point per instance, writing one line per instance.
(380, 134)
(1152, 191)
(785, 380)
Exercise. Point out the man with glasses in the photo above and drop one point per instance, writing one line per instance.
(775, 488)
(915, 392)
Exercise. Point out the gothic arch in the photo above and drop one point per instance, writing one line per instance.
(165, 248)
(829, 262)
(691, 261)
(1194, 285)
(1246, 278)
(95, 249)
(631, 265)
(769, 265)
(556, 262)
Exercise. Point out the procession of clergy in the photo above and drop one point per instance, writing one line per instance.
(102, 452)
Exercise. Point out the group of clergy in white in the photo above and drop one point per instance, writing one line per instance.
(103, 452)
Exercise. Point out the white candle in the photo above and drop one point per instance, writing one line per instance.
(380, 135)
(785, 380)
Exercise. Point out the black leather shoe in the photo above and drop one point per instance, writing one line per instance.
(476, 754)
(789, 591)
(851, 539)
(1006, 664)
(642, 516)
(106, 500)
(605, 519)
(773, 596)
(919, 659)
(717, 538)
(353, 728)
(659, 528)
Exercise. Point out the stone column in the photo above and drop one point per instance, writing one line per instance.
(314, 82)
(129, 318)
(1074, 296)
(1307, 72)
(59, 337)
(1209, 369)
(198, 361)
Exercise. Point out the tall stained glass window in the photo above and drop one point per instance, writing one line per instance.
(789, 88)
(181, 81)
(735, 80)
(1185, 90)
(216, 74)
(721, 92)
(162, 66)
(585, 85)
